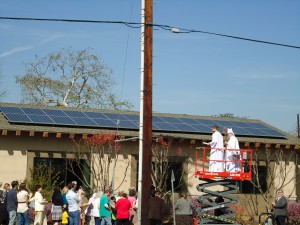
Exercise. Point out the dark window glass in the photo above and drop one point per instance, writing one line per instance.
(60, 166)
(247, 187)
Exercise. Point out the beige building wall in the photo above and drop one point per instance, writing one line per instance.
(17, 157)
(17, 154)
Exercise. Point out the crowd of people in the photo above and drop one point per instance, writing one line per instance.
(69, 205)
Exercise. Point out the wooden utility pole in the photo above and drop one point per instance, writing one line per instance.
(147, 117)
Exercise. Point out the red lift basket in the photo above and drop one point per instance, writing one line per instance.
(244, 162)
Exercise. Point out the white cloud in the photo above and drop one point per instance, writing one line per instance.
(15, 50)
(25, 48)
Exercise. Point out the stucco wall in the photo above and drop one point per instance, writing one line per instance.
(17, 154)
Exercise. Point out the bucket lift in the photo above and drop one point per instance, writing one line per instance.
(220, 185)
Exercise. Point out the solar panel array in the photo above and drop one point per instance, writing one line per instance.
(56, 117)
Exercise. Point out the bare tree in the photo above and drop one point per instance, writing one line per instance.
(96, 156)
(281, 170)
(161, 164)
(69, 78)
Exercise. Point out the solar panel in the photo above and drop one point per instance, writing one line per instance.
(77, 118)
(165, 126)
(157, 119)
(14, 117)
(113, 116)
(33, 111)
(95, 115)
(63, 120)
(127, 124)
(105, 123)
(74, 113)
(84, 121)
(54, 112)
(7, 110)
(42, 119)
(201, 128)
(184, 127)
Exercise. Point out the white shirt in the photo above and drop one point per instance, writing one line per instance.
(39, 202)
(22, 197)
(73, 201)
(96, 207)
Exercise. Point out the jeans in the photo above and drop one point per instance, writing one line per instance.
(12, 217)
(74, 218)
(97, 220)
(106, 220)
(23, 218)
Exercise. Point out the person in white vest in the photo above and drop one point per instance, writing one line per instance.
(232, 155)
(217, 151)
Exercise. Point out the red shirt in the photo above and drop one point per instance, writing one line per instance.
(123, 206)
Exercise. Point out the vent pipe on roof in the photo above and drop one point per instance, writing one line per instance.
(298, 126)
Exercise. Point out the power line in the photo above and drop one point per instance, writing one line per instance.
(165, 27)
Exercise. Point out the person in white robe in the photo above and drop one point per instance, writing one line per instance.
(217, 151)
(232, 155)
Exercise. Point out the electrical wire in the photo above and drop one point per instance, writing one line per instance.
(164, 27)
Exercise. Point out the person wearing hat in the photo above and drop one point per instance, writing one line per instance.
(232, 154)
(217, 151)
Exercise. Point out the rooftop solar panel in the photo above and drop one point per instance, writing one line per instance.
(171, 120)
(41, 119)
(33, 111)
(6, 110)
(95, 115)
(184, 127)
(201, 128)
(14, 117)
(114, 116)
(132, 117)
(105, 123)
(84, 121)
(63, 120)
(165, 126)
(131, 121)
(127, 124)
(158, 119)
(206, 122)
(54, 112)
(74, 113)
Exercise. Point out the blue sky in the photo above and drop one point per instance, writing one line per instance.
(194, 73)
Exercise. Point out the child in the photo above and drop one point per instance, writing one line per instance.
(65, 216)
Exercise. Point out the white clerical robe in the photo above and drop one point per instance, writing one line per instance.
(233, 155)
(216, 153)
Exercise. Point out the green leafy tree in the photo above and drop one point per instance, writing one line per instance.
(45, 176)
(69, 78)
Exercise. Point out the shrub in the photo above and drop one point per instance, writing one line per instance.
(294, 213)
(44, 176)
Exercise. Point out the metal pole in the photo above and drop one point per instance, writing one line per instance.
(298, 125)
(172, 183)
(141, 116)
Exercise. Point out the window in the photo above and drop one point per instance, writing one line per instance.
(246, 187)
(177, 169)
(61, 166)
